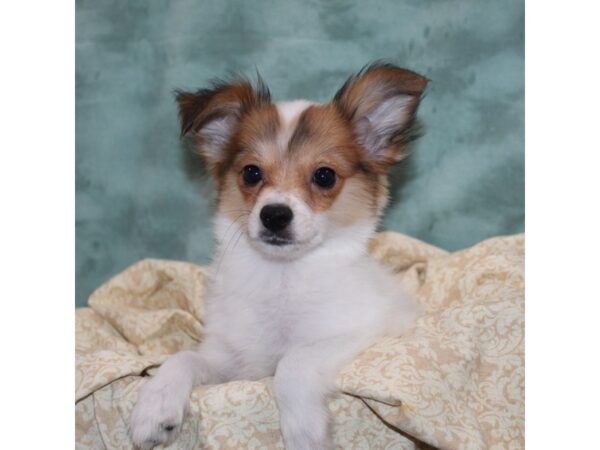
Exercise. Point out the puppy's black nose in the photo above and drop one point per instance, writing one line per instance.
(276, 217)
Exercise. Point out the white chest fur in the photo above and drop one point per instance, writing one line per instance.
(262, 307)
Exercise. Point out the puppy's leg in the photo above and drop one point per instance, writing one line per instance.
(162, 402)
(304, 378)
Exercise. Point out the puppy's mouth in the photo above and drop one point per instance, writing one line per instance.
(282, 245)
(276, 239)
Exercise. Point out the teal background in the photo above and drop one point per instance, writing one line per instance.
(140, 194)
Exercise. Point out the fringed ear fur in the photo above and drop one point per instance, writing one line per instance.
(211, 115)
(380, 102)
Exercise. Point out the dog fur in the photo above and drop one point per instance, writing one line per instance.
(295, 303)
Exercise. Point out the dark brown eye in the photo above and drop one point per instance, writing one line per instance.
(324, 177)
(252, 175)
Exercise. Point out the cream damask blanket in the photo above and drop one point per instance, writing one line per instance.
(455, 380)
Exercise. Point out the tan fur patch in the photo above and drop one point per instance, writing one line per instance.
(257, 130)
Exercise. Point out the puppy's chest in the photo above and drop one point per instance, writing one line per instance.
(271, 311)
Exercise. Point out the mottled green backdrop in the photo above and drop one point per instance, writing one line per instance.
(139, 194)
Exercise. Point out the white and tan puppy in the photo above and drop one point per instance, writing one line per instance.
(301, 187)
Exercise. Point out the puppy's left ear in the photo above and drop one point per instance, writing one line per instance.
(381, 102)
(212, 115)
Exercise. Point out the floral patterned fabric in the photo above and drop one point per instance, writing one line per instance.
(455, 380)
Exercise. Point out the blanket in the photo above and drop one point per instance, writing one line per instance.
(454, 380)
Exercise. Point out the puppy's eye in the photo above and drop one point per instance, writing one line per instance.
(324, 177)
(252, 175)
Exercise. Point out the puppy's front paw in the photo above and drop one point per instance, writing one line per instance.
(158, 414)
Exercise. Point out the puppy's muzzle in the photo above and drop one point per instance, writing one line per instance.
(276, 219)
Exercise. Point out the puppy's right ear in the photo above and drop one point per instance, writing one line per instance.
(381, 102)
(212, 115)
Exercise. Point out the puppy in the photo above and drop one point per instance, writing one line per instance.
(293, 293)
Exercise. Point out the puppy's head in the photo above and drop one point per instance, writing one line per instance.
(294, 175)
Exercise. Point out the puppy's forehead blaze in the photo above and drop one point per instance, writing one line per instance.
(314, 134)
(289, 142)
